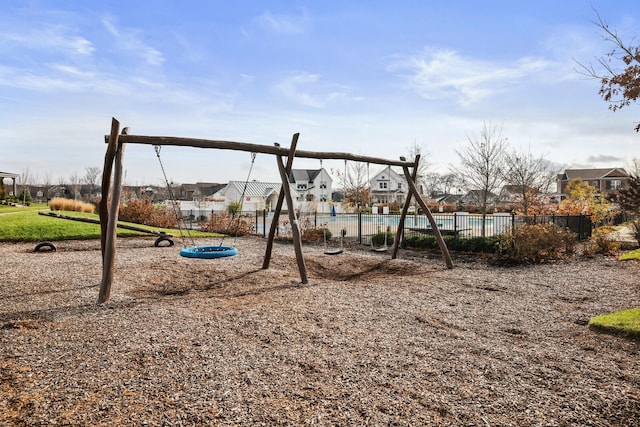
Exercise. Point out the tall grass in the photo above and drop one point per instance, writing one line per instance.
(62, 204)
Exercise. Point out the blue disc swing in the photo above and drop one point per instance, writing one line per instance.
(211, 251)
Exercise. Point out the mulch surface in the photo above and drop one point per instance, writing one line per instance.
(369, 341)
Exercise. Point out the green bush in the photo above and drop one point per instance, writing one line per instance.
(235, 207)
(535, 243)
(378, 239)
(473, 244)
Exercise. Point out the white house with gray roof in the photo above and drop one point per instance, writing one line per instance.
(314, 188)
(257, 195)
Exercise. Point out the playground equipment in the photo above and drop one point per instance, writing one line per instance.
(117, 141)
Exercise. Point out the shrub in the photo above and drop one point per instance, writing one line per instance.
(379, 238)
(316, 234)
(601, 243)
(421, 242)
(224, 223)
(534, 243)
(62, 204)
(144, 212)
(235, 207)
(473, 244)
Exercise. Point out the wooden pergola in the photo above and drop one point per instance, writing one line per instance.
(13, 177)
(116, 142)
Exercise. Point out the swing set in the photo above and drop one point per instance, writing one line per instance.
(212, 251)
(113, 166)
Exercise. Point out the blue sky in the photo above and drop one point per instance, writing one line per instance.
(366, 77)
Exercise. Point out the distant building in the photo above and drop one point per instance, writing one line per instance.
(256, 196)
(388, 186)
(314, 188)
(604, 180)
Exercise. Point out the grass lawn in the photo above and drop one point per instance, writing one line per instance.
(24, 224)
(635, 254)
(623, 322)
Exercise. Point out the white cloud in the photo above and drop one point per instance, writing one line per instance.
(52, 37)
(283, 24)
(307, 89)
(438, 74)
(132, 41)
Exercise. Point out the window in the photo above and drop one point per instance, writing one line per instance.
(302, 186)
(323, 185)
(383, 185)
(614, 184)
(399, 185)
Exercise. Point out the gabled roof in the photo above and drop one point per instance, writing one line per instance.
(591, 174)
(304, 174)
(8, 175)
(256, 188)
(511, 188)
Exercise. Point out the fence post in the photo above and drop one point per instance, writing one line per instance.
(455, 220)
(264, 223)
(359, 227)
(315, 219)
(580, 237)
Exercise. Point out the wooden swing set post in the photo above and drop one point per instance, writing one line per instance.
(432, 221)
(276, 213)
(405, 209)
(295, 227)
(109, 232)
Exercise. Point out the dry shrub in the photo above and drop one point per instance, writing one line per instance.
(145, 212)
(224, 223)
(535, 243)
(602, 243)
(62, 204)
(316, 234)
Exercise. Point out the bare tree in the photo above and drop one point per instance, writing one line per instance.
(91, 175)
(530, 176)
(436, 183)
(482, 163)
(25, 182)
(354, 182)
(74, 181)
(414, 151)
(633, 167)
(618, 70)
(47, 181)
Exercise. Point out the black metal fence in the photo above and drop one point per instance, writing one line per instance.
(361, 227)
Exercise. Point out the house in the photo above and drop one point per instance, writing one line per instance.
(313, 187)
(256, 196)
(200, 191)
(604, 180)
(388, 186)
(510, 194)
(476, 197)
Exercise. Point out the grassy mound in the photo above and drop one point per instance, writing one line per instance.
(625, 323)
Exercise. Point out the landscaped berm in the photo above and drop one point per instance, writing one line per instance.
(369, 341)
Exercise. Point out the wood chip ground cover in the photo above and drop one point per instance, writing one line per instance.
(370, 341)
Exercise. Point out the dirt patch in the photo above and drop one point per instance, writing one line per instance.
(369, 341)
